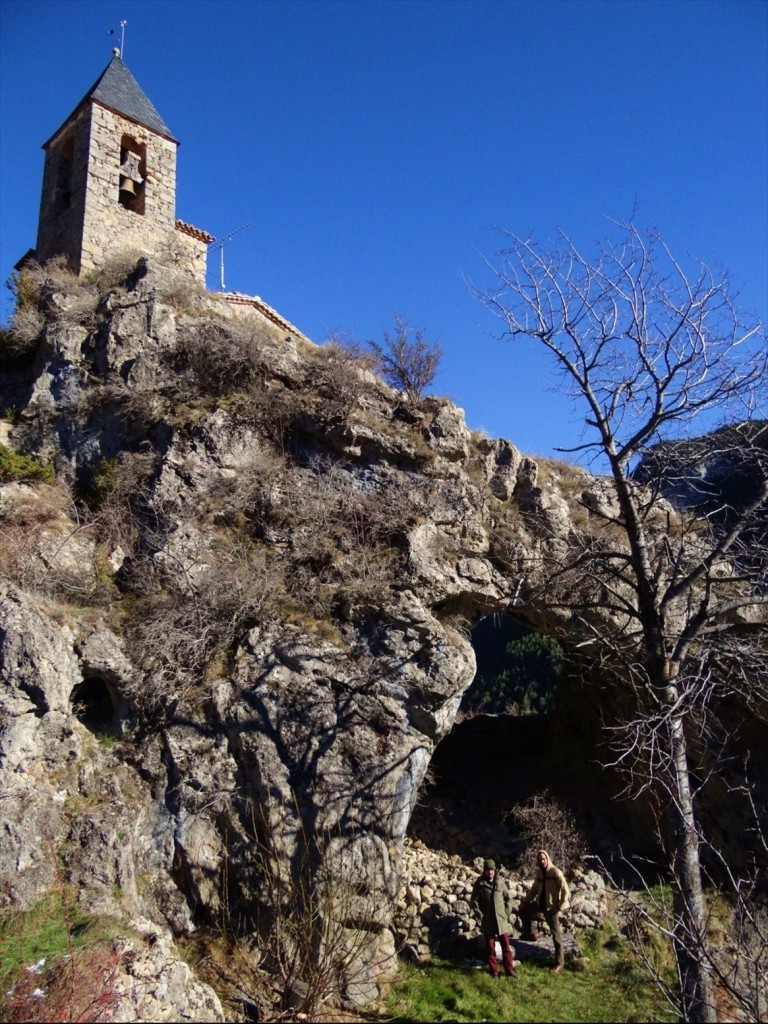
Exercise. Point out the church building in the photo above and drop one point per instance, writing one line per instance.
(109, 182)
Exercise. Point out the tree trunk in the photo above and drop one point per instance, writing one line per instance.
(691, 942)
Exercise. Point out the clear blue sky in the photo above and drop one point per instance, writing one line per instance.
(376, 144)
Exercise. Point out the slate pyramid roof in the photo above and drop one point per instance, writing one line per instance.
(117, 89)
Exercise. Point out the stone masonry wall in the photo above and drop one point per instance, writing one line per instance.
(191, 253)
(90, 224)
(60, 225)
(107, 224)
(434, 915)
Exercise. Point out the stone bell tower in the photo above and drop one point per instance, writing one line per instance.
(109, 182)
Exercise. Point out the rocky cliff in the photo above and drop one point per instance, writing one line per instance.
(235, 611)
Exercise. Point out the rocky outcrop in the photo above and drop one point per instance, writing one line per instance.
(152, 983)
(235, 629)
(721, 470)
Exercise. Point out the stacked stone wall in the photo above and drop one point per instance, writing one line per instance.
(60, 226)
(109, 226)
(192, 254)
(434, 915)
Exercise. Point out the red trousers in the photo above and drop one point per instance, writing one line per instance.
(506, 954)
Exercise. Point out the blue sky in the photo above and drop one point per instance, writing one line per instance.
(376, 145)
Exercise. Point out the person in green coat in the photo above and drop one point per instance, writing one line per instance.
(491, 904)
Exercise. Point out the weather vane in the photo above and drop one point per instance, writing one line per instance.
(121, 51)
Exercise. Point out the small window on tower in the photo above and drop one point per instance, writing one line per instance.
(64, 157)
(133, 174)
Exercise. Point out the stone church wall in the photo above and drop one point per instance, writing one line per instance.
(62, 201)
(191, 249)
(81, 213)
(109, 225)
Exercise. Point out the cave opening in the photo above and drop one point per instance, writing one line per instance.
(529, 736)
(518, 669)
(501, 753)
(94, 704)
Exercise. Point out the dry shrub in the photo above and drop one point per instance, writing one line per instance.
(314, 919)
(80, 308)
(186, 633)
(140, 406)
(317, 911)
(116, 488)
(346, 539)
(222, 357)
(37, 537)
(545, 824)
(80, 987)
(30, 282)
(33, 287)
(46, 565)
(407, 360)
(182, 292)
(51, 544)
(27, 320)
(115, 270)
(339, 373)
(252, 499)
(27, 323)
(77, 297)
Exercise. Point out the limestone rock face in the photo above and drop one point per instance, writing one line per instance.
(153, 984)
(225, 672)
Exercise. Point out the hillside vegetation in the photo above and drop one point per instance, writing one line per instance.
(239, 575)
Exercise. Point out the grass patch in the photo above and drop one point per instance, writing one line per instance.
(56, 963)
(45, 932)
(610, 986)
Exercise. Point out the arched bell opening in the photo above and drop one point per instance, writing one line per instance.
(133, 174)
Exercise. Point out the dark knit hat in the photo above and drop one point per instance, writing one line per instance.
(489, 863)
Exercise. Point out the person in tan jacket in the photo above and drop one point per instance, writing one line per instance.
(547, 897)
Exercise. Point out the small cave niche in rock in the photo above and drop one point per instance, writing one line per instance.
(94, 705)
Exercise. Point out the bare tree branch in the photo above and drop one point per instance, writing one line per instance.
(649, 346)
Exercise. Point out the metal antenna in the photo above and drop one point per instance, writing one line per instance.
(221, 242)
(122, 39)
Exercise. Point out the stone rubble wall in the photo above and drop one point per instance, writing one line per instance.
(60, 223)
(105, 219)
(93, 226)
(434, 916)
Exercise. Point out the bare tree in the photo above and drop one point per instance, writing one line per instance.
(407, 361)
(649, 348)
(545, 824)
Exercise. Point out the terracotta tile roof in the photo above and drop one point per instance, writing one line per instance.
(238, 299)
(193, 232)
